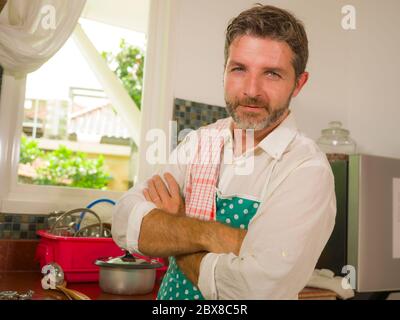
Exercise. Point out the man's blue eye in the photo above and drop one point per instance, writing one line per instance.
(237, 69)
(272, 74)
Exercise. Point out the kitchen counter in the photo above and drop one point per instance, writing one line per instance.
(24, 281)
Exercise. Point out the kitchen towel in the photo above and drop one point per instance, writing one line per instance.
(203, 172)
(325, 279)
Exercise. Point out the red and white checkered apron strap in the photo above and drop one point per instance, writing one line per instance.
(203, 171)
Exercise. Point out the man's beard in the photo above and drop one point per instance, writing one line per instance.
(249, 120)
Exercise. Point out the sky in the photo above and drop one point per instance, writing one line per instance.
(68, 68)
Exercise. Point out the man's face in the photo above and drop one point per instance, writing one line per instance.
(259, 81)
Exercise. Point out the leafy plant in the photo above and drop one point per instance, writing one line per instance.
(29, 151)
(128, 65)
(64, 167)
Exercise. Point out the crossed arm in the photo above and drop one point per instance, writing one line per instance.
(276, 260)
(167, 231)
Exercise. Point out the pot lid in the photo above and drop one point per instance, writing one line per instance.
(128, 261)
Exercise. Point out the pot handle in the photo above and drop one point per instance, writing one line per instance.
(128, 257)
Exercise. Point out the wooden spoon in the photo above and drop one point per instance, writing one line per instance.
(72, 294)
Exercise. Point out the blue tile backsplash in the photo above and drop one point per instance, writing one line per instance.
(193, 115)
(21, 226)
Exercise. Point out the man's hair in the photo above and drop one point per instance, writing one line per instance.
(275, 23)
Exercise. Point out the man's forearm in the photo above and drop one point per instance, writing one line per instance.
(189, 264)
(164, 235)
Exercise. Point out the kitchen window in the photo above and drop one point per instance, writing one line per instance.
(68, 143)
(72, 134)
(23, 114)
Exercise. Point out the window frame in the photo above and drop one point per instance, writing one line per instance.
(35, 199)
(25, 198)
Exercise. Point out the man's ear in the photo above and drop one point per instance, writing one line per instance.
(301, 81)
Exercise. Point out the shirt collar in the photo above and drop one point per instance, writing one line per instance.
(276, 142)
(279, 139)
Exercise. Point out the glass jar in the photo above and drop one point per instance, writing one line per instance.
(336, 140)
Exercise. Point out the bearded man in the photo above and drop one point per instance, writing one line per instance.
(228, 235)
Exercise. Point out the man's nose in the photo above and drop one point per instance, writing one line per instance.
(252, 86)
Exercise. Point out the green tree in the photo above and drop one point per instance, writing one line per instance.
(29, 151)
(128, 65)
(64, 167)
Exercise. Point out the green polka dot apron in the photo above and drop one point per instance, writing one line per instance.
(233, 211)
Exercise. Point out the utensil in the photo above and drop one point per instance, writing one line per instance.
(61, 284)
(14, 295)
(63, 217)
(93, 230)
(70, 293)
(127, 275)
(52, 217)
(104, 208)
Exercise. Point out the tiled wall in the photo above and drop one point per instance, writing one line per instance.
(21, 226)
(193, 115)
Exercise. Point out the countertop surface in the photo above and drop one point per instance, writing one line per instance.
(24, 281)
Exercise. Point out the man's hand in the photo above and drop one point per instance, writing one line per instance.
(165, 198)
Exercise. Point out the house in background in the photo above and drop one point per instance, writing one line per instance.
(66, 103)
(87, 123)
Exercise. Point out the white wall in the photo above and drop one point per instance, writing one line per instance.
(354, 74)
(129, 14)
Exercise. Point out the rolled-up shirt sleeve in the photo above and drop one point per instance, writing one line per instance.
(133, 206)
(127, 217)
(283, 242)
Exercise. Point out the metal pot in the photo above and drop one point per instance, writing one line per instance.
(127, 275)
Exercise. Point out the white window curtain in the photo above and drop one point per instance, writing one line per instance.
(32, 31)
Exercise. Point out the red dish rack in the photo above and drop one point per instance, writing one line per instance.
(76, 255)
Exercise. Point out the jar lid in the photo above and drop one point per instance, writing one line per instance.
(128, 261)
(335, 128)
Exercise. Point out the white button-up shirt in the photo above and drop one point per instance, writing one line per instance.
(293, 181)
